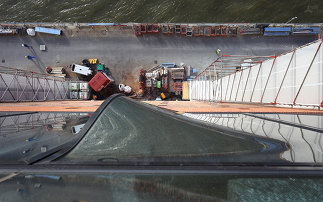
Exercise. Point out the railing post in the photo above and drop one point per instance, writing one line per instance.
(281, 84)
(268, 80)
(308, 70)
(238, 85)
(17, 89)
(254, 87)
(245, 87)
(234, 78)
(54, 89)
(227, 87)
(7, 88)
(209, 82)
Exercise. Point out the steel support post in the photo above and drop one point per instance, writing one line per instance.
(205, 84)
(17, 87)
(39, 86)
(281, 84)
(7, 88)
(238, 85)
(49, 88)
(45, 84)
(54, 89)
(227, 87)
(234, 78)
(65, 92)
(31, 86)
(245, 87)
(254, 86)
(215, 80)
(308, 70)
(23, 90)
(262, 97)
(209, 82)
(58, 89)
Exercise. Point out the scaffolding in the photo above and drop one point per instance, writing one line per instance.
(293, 79)
(19, 85)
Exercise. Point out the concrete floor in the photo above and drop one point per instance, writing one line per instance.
(124, 53)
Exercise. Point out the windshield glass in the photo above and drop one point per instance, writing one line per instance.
(23, 136)
(128, 131)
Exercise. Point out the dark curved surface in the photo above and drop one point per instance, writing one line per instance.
(125, 131)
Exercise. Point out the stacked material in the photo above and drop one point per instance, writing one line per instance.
(79, 90)
(56, 71)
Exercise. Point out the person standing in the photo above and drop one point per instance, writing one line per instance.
(218, 52)
(29, 57)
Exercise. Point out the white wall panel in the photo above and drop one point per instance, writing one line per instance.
(243, 82)
(276, 77)
(311, 92)
(277, 80)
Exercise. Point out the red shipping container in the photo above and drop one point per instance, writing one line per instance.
(100, 81)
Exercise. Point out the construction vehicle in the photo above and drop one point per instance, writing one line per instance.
(100, 81)
(81, 70)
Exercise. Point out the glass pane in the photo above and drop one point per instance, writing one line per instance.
(127, 130)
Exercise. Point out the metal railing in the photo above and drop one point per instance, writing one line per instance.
(19, 85)
(294, 79)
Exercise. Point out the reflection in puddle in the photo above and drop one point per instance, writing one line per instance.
(302, 133)
(23, 135)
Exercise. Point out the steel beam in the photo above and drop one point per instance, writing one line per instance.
(244, 91)
(272, 66)
(254, 86)
(238, 86)
(281, 84)
(234, 78)
(308, 70)
(26, 86)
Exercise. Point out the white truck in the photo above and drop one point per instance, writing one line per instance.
(81, 70)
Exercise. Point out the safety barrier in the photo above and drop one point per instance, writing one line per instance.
(294, 79)
(18, 85)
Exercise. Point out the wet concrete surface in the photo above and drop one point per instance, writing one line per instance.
(24, 136)
(125, 54)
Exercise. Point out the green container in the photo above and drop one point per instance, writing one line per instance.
(99, 67)
(158, 84)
